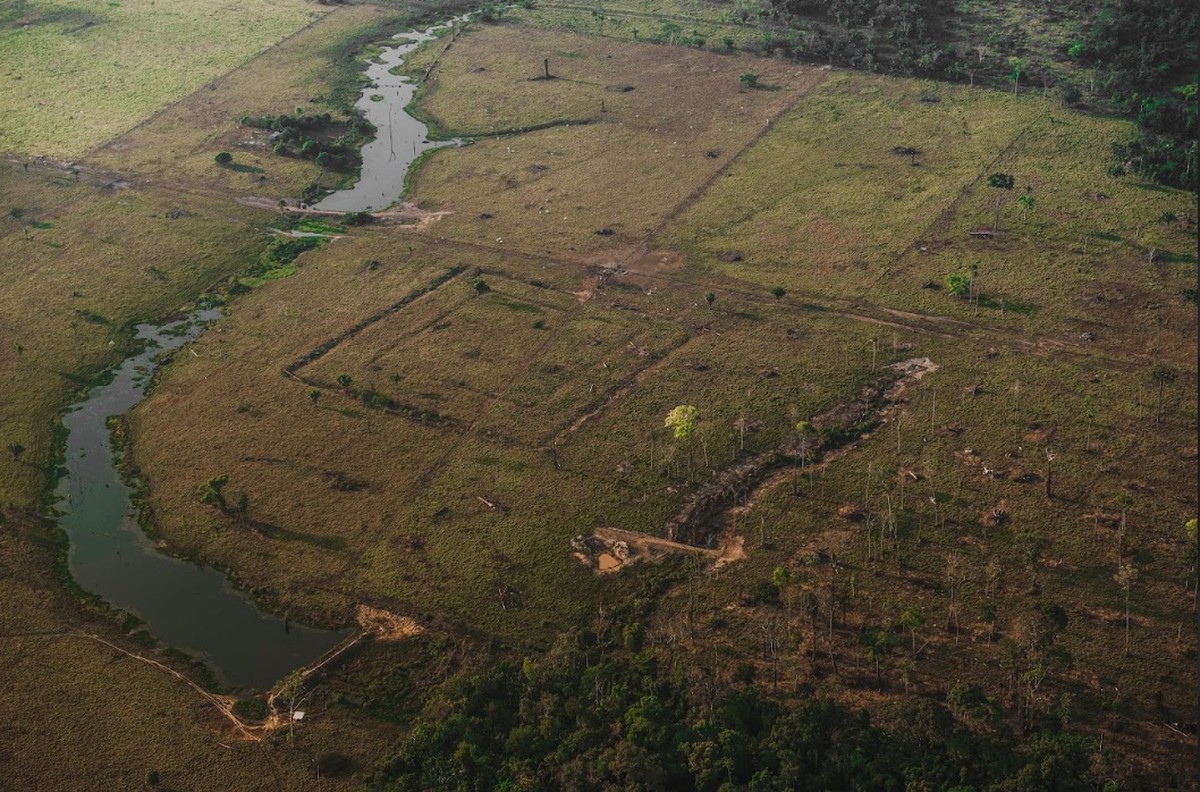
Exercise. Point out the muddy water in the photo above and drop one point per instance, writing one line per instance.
(184, 605)
(399, 138)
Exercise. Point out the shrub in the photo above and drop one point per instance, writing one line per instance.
(958, 283)
(749, 80)
(224, 158)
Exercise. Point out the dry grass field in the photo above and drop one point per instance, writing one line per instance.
(603, 186)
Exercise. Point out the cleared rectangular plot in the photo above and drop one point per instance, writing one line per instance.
(826, 198)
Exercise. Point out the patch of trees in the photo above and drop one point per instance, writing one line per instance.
(601, 711)
(1146, 53)
(333, 145)
(865, 34)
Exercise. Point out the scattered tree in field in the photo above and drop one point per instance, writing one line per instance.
(682, 421)
(212, 493)
(314, 396)
(16, 449)
(912, 619)
(987, 615)
(1001, 181)
(1163, 375)
(224, 158)
(748, 80)
(710, 298)
(806, 435)
(1027, 202)
(1030, 544)
(778, 292)
(1051, 455)
(878, 642)
(1089, 411)
(291, 690)
(153, 778)
(1189, 529)
(242, 508)
(958, 284)
(1125, 577)
(344, 380)
(780, 578)
(1018, 68)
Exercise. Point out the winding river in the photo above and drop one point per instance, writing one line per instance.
(184, 605)
(399, 138)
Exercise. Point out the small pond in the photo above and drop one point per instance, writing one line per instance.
(184, 605)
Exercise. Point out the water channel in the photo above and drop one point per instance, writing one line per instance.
(399, 138)
(184, 605)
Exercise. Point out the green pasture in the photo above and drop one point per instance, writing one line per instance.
(78, 75)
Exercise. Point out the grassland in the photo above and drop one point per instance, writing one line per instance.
(78, 76)
(1062, 266)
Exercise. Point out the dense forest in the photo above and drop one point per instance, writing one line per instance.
(601, 711)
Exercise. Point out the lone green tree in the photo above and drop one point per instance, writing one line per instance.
(778, 292)
(681, 420)
(213, 494)
(878, 642)
(806, 435)
(1018, 68)
(224, 158)
(291, 689)
(1027, 202)
(16, 449)
(1189, 529)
